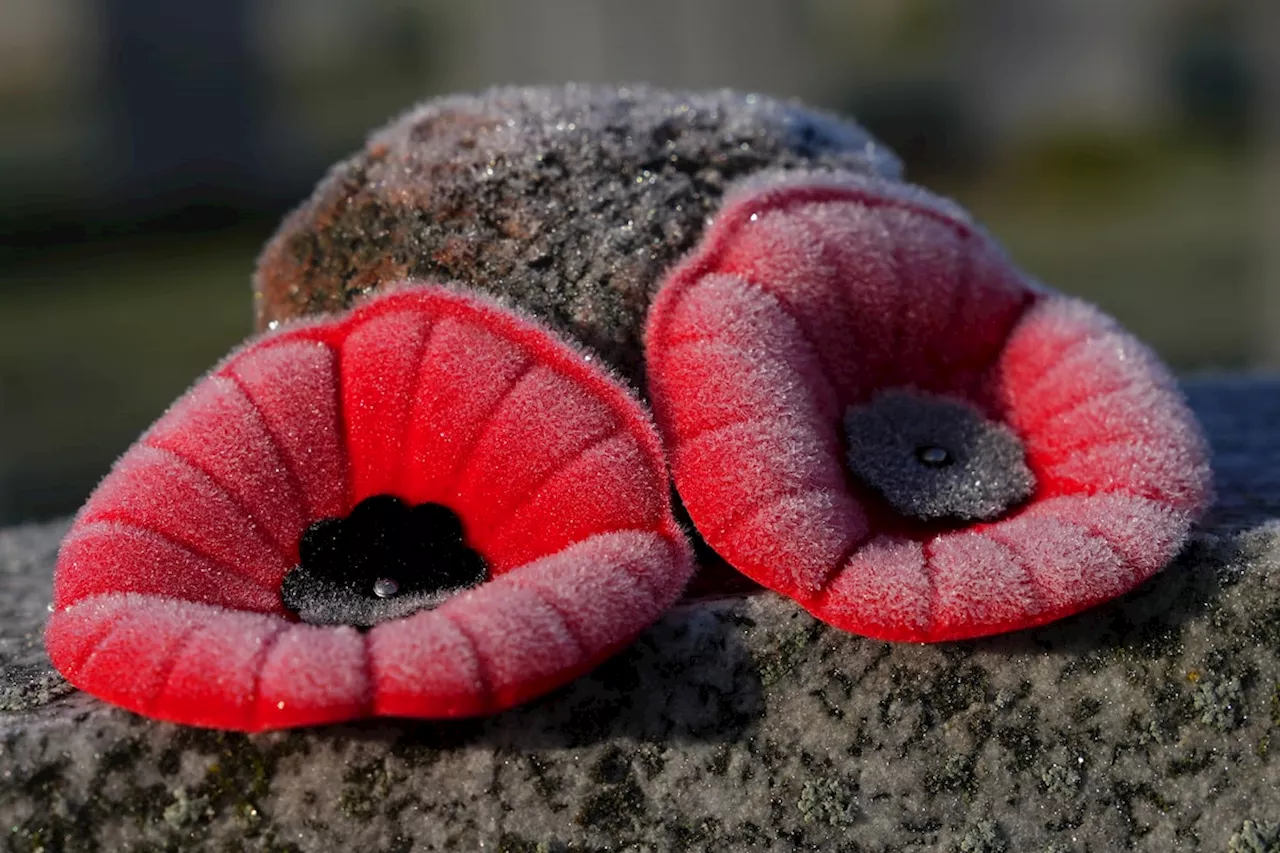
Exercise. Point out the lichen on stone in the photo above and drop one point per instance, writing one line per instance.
(1060, 781)
(186, 810)
(829, 800)
(1220, 703)
(364, 788)
(780, 660)
(30, 685)
(956, 774)
(617, 804)
(1256, 837)
(985, 836)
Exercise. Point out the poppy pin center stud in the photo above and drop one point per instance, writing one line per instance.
(934, 458)
(384, 561)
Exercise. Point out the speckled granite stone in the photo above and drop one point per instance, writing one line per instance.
(742, 724)
(569, 201)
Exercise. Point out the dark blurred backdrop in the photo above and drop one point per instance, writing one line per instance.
(1124, 151)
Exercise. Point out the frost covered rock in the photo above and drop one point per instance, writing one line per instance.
(1150, 723)
(568, 201)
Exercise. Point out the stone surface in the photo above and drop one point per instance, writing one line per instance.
(568, 201)
(739, 724)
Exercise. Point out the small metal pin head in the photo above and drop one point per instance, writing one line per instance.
(385, 587)
(934, 456)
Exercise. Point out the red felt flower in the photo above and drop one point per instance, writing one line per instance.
(868, 409)
(426, 433)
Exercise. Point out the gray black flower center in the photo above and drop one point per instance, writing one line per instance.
(935, 457)
(383, 561)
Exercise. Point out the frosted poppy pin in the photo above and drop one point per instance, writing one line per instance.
(869, 409)
(428, 507)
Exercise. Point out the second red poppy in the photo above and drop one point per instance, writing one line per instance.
(869, 409)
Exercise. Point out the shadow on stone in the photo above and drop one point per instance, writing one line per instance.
(688, 679)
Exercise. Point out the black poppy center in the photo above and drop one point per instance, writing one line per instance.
(935, 457)
(385, 560)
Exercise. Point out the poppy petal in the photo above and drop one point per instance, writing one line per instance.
(809, 299)
(168, 587)
(464, 658)
(977, 581)
(556, 422)
(378, 397)
(453, 403)
(1132, 434)
(157, 563)
(216, 429)
(294, 385)
(164, 657)
(156, 490)
(884, 590)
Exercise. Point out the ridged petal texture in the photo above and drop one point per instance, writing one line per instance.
(167, 588)
(806, 298)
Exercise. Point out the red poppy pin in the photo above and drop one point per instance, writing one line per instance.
(433, 507)
(428, 507)
(869, 409)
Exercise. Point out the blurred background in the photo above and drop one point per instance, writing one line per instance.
(1127, 152)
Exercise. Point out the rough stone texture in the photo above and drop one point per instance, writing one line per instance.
(739, 724)
(568, 201)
